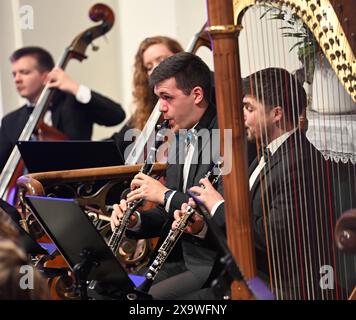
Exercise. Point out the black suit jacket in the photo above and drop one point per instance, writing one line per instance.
(68, 115)
(198, 254)
(291, 194)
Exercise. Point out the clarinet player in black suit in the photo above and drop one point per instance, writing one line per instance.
(288, 190)
(182, 83)
(74, 108)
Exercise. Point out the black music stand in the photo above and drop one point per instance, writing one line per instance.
(26, 242)
(84, 249)
(42, 156)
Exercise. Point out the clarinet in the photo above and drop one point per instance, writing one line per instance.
(174, 235)
(119, 231)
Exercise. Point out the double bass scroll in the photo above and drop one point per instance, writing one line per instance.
(98, 12)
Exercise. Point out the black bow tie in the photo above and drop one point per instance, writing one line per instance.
(29, 109)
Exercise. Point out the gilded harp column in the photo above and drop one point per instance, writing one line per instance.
(230, 117)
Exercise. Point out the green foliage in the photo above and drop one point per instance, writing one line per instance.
(307, 47)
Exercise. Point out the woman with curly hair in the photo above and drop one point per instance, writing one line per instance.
(150, 53)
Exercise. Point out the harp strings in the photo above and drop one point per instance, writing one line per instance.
(282, 258)
(323, 229)
(294, 260)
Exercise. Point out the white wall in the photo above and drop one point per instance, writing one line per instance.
(262, 44)
(11, 37)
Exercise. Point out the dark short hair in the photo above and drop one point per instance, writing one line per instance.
(188, 70)
(44, 59)
(277, 87)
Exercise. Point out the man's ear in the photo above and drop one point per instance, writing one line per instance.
(277, 113)
(44, 77)
(198, 94)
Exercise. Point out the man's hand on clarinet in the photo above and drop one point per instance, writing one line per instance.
(148, 188)
(117, 214)
(195, 223)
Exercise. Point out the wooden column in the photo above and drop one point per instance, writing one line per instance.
(230, 116)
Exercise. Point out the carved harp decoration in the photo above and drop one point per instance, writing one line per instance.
(332, 36)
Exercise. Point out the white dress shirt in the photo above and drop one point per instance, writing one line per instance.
(272, 147)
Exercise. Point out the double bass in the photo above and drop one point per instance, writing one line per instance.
(76, 50)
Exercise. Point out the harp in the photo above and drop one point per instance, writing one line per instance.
(331, 123)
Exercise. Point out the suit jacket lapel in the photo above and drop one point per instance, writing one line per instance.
(180, 176)
(55, 107)
(208, 121)
(252, 166)
(176, 160)
(197, 160)
(281, 153)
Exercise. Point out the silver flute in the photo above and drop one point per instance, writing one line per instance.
(174, 235)
(119, 231)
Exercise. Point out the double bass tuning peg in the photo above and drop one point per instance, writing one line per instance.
(94, 47)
